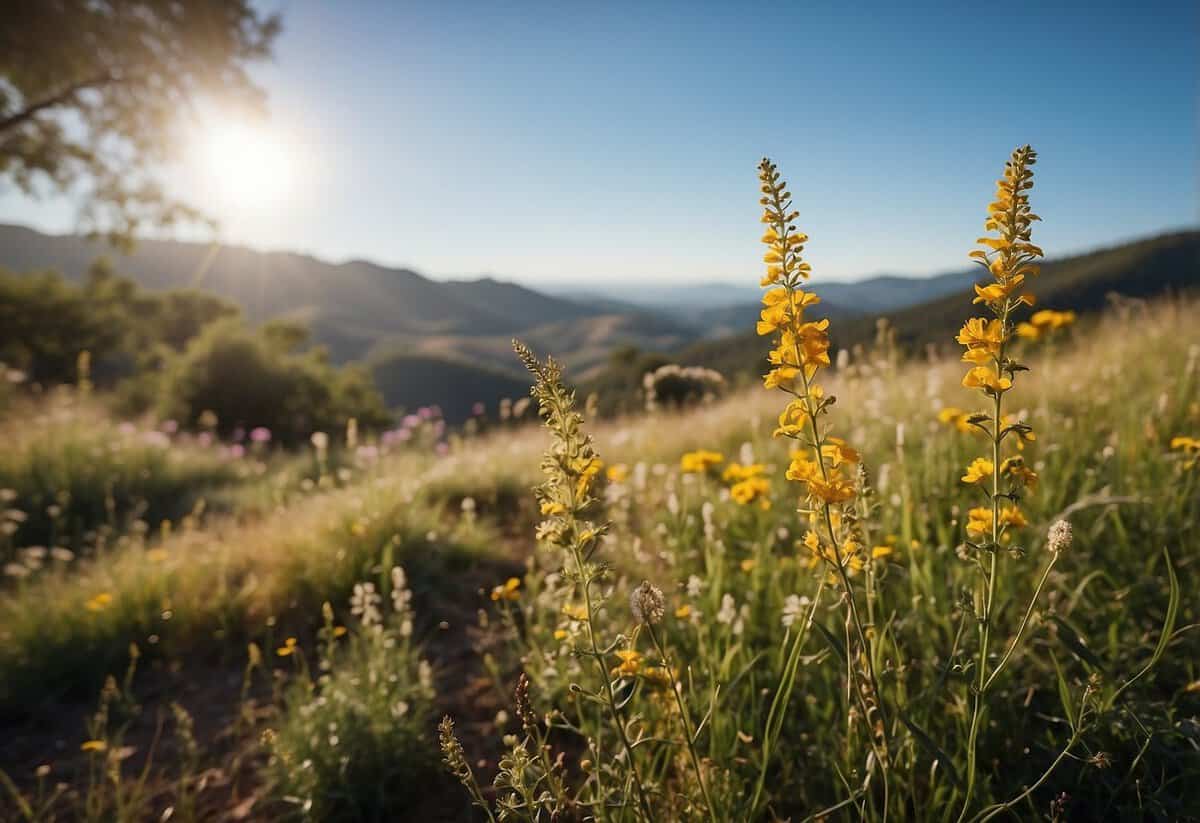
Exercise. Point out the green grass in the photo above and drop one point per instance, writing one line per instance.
(1105, 406)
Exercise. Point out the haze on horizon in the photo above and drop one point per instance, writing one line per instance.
(548, 144)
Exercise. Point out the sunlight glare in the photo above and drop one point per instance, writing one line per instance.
(246, 164)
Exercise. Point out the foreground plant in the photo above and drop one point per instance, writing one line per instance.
(825, 465)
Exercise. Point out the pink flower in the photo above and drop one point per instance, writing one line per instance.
(260, 434)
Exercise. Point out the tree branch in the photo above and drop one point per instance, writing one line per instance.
(64, 96)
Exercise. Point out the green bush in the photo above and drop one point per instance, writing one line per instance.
(259, 378)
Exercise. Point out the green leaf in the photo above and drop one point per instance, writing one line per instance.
(1075, 643)
(934, 749)
(832, 640)
(1064, 692)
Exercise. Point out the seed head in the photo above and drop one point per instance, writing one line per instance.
(1059, 538)
(646, 603)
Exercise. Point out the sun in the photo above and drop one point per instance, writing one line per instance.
(248, 165)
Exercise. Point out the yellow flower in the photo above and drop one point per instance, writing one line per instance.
(979, 521)
(618, 473)
(801, 468)
(99, 603)
(631, 662)
(699, 462)
(339, 631)
(736, 472)
(753, 489)
(289, 646)
(980, 469)
(575, 611)
(683, 612)
(983, 377)
(836, 450)
(588, 468)
(560, 634)
(834, 489)
(748, 564)
(507, 591)
(953, 416)
(981, 333)
(1015, 468)
(880, 552)
(93, 746)
(549, 508)
(1012, 517)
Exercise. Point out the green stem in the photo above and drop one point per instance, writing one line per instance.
(685, 721)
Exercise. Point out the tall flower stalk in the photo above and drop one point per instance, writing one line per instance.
(565, 497)
(823, 463)
(1010, 257)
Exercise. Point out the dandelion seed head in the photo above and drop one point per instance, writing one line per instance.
(646, 603)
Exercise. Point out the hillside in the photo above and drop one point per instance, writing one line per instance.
(350, 306)
(1144, 268)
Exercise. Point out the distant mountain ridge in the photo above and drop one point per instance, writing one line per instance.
(350, 306)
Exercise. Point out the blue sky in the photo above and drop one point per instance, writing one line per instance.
(574, 142)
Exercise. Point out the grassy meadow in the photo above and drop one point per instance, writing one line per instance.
(259, 658)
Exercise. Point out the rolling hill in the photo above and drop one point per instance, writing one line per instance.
(1140, 269)
(350, 306)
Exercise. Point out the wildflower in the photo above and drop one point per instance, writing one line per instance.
(754, 489)
(1015, 469)
(736, 472)
(617, 473)
(699, 462)
(631, 662)
(93, 746)
(288, 648)
(683, 612)
(401, 596)
(1060, 537)
(100, 602)
(1045, 323)
(728, 609)
(980, 469)
(748, 564)
(260, 434)
(1190, 446)
(364, 602)
(881, 552)
(793, 605)
(575, 611)
(646, 603)
(508, 590)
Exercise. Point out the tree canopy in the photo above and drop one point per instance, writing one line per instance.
(95, 94)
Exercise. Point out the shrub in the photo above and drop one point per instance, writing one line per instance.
(250, 379)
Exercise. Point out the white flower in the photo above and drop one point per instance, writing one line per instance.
(401, 596)
(364, 603)
(1060, 536)
(728, 609)
(694, 586)
(793, 605)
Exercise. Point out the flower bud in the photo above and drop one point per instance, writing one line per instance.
(646, 603)
(1059, 538)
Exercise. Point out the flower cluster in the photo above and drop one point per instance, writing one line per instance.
(699, 462)
(748, 484)
(802, 348)
(1010, 258)
(1045, 323)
